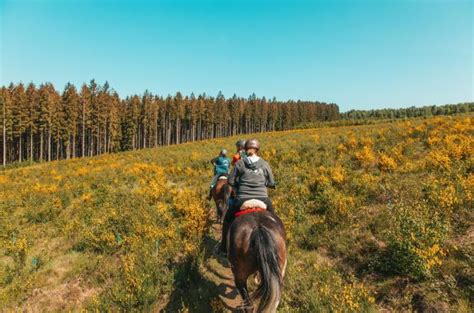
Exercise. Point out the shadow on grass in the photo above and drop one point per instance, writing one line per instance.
(194, 292)
(191, 290)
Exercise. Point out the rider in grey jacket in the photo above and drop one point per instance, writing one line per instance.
(250, 178)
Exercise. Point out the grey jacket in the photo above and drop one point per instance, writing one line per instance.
(251, 179)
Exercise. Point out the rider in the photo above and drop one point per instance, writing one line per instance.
(221, 167)
(240, 151)
(250, 178)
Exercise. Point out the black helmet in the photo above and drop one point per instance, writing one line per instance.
(240, 143)
(252, 143)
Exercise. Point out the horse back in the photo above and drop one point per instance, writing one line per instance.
(241, 231)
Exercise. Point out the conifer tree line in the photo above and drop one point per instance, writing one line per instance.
(39, 123)
(430, 110)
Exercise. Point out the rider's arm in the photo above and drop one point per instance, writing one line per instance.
(270, 180)
(234, 176)
(235, 158)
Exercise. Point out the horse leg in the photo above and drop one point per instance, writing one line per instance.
(225, 229)
(219, 211)
(247, 305)
(209, 196)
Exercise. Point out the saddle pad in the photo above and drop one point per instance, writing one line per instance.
(222, 177)
(253, 203)
(250, 210)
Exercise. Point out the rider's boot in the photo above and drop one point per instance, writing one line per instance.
(209, 196)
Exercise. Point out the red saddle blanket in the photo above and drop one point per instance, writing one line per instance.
(237, 214)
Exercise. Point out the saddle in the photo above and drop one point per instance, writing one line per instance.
(223, 176)
(250, 206)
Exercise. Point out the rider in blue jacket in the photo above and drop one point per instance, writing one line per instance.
(221, 167)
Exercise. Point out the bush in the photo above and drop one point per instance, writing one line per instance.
(415, 241)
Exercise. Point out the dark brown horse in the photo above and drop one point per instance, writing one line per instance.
(221, 194)
(257, 245)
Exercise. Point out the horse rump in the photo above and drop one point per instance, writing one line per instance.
(268, 264)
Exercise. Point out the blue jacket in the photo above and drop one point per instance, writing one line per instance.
(221, 165)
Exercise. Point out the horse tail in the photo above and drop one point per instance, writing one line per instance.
(227, 193)
(269, 290)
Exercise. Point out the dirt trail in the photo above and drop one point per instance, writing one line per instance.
(209, 287)
(217, 269)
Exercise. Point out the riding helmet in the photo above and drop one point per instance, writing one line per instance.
(240, 143)
(252, 143)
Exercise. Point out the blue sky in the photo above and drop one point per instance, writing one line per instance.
(358, 54)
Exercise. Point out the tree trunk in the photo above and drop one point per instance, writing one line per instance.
(91, 148)
(57, 150)
(168, 133)
(74, 145)
(49, 143)
(137, 139)
(41, 145)
(4, 138)
(68, 148)
(97, 148)
(19, 150)
(200, 130)
(83, 130)
(31, 144)
(105, 137)
(177, 130)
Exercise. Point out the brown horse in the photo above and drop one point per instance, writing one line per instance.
(257, 245)
(221, 194)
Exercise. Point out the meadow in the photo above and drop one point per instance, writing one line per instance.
(379, 217)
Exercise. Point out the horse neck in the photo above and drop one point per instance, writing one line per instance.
(220, 186)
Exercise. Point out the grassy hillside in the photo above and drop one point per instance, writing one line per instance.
(378, 217)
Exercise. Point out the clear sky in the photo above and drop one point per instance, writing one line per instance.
(360, 54)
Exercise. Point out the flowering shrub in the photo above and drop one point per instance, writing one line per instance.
(360, 204)
(415, 239)
(365, 156)
(316, 287)
(386, 163)
(337, 174)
